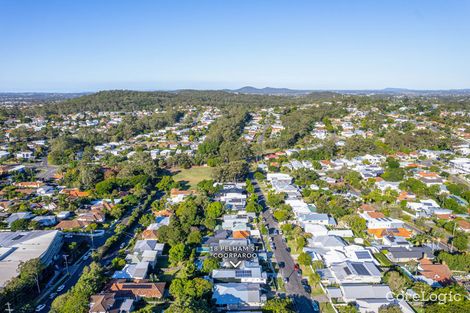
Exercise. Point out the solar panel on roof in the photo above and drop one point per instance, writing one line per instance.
(360, 269)
(362, 255)
(17, 237)
(242, 273)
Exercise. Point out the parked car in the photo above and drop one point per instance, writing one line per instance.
(282, 264)
(316, 307)
(286, 280)
(307, 288)
(304, 281)
(40, 307)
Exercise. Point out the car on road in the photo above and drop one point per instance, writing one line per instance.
(316, 307)
(288, 249)
(282, 264)
(52, 295)
(40, 307)
(61, 287)
(307, 288)
(304, 281)
(286, 280)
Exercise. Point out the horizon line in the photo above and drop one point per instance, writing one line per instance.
(404, 89)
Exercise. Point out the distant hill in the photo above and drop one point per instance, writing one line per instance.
(270, 91)
(24, 98)
(130, 100)
(385, 91)
(408, 92)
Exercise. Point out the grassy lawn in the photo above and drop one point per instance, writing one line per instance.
(383, 260)
(326, 307)
(193, 175)
(280, 284)
(307, 272)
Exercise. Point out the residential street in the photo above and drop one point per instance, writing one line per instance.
(77, 269)
(302, 300)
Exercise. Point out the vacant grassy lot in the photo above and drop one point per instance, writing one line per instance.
(193, 175)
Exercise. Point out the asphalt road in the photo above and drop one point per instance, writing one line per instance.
(301, 299)
(440, 245)
(46, 171)
(76, 269)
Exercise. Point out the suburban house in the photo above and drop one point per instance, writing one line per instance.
(238, 296)
(110, 303)
(436, 275)
(356, 272)
(403, 254)
(137, 289)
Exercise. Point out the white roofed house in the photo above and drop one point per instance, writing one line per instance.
(247, 272)
(298, 206)
(146, 251)
(238, 296)
(461, 165)
(356, 272)
(25, 155)
(237, 221)
(46, 220)
(133, 271)
(377, 220)
(315, 218)
(426, 208)
(368, 297)
(233, 196)
(286, 178)
(45, 190)
(19, 215)
(383, 185)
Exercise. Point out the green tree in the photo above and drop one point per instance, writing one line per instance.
(350, 308)
(356, 223)
(277, 305)
(166, 183)
(177, 254)
(304, 259)
(390, 309)
(396, 281)
(76, 300)
(214, 210)
(460, 241)
(19, 224)
(194, 237)
(209, 264)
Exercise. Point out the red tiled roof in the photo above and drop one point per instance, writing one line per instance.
(436, 272)
(375, 214)
(143, 288)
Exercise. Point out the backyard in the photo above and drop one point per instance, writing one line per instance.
(193, 175)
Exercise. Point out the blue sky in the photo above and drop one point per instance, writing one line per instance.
(92, 45)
